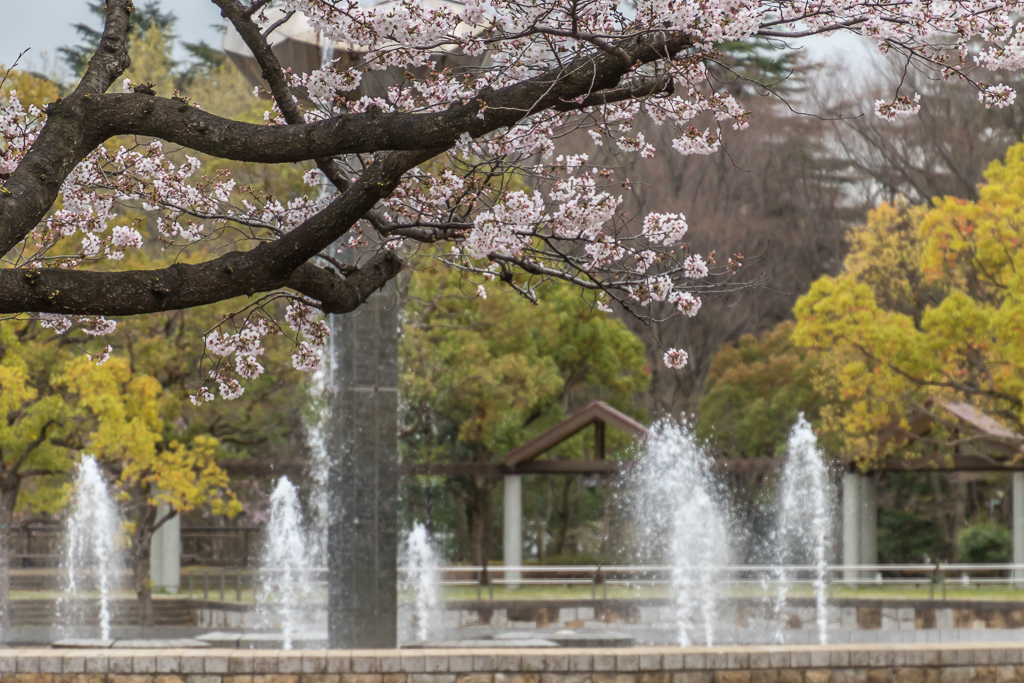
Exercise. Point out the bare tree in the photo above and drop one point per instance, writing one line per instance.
(943, 150)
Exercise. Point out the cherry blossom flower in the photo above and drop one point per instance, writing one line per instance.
(695, 267)
(676, 359)
(901, 107)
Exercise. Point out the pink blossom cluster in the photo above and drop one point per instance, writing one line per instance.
(900, 107)
(18, 130)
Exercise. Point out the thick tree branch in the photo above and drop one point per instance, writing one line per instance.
(241, 18)
(182, 286)
(171, 514)
(271, 265)
(111, 57)
(177, 122)
(273, 72)
(67, 137)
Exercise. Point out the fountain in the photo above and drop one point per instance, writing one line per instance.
(804, 524)
(93, 557)
(286, 568)
(316, 440)
(419, 571)
(681, 511)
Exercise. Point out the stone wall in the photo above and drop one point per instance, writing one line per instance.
(989, 663)
(747, 620)
(648, 620)
(799, 613)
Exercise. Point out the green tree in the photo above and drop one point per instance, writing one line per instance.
(984, 542)
(479, 378)
(755, 391)
(35, 441)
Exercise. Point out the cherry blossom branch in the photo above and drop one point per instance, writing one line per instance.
(31, 190)
(269, 266)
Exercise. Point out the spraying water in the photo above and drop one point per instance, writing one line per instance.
(804, 533)
(316, 441)
(93, 541)
(316, 425)
(420, 570)
(680, 509)
(285, 572)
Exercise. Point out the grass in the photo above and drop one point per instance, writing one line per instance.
(583, 592)
(954, 591)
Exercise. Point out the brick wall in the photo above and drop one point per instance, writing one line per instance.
(982, 663)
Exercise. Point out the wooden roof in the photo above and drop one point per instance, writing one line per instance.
(991, 445)
(597, 412)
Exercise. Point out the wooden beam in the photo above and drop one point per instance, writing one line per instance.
(958, 463)
(558, 466)
(265, 468)
(573, 466)
(462, 469)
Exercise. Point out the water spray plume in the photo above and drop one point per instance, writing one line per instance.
(804, 526)
(682, 512)
(286, 569)
(93, 555)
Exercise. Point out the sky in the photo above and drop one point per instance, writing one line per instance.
(45, 25)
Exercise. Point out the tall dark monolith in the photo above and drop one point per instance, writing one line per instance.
(362, 542)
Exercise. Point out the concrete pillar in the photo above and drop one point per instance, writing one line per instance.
(1018, 524)
(512, 503)
(851, 523)
(362, 447)
(165, 553)
(868, 523)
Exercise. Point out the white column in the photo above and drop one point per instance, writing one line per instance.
(1018, 523)
(165, 553)
(513, 528)
(156, 557)
(851, 522)
(868, 523)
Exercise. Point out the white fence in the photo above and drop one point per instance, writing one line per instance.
(936, 577)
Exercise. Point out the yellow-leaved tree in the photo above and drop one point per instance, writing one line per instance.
(928, 308)
(34, 439)
(57, 403)
(123, 411)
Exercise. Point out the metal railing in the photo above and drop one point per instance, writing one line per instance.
(743, 579)
(936, 576)
(37, 545)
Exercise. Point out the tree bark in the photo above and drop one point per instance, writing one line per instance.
(941, 515)
(959, 511)
(142, 541)
(81, 121)
(542, 532)
(8, 498)
(478, 515)
(564, 512)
